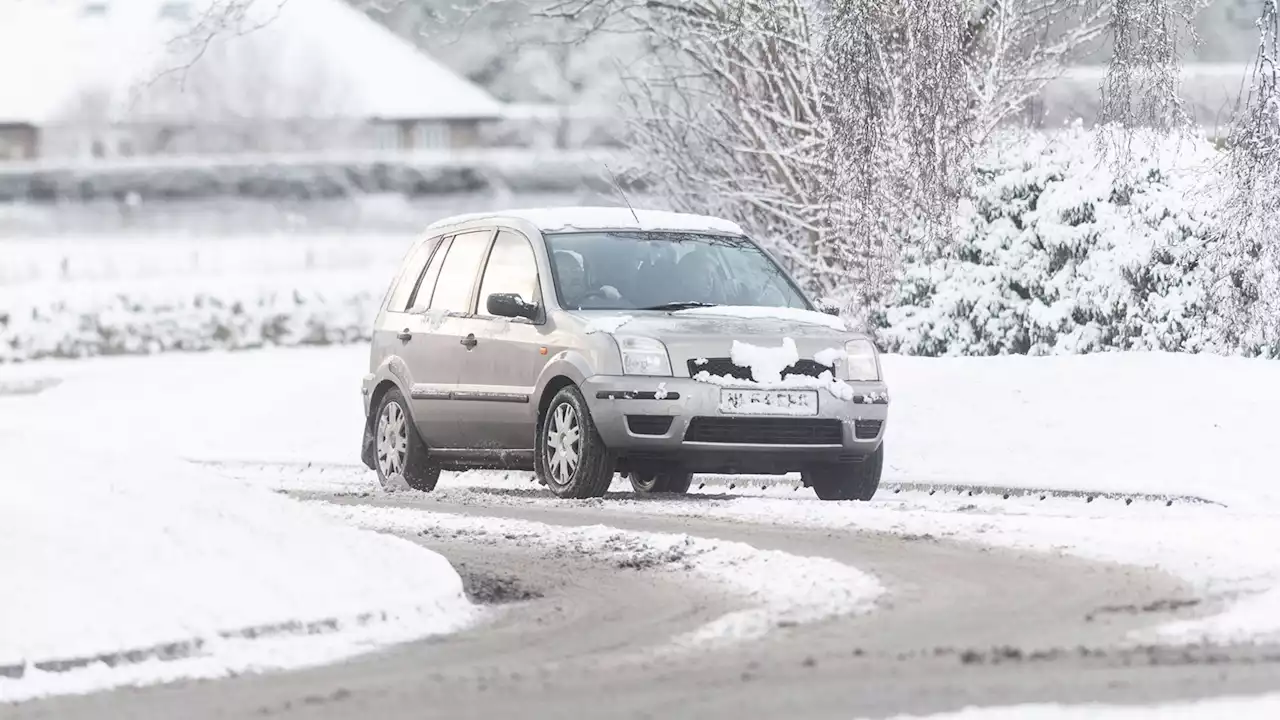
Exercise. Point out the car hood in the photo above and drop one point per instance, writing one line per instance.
(699, 333)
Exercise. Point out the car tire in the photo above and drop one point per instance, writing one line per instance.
(400, 457)
(572, 459)
(847, 481)
(646, 483)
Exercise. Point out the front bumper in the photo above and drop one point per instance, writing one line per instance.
(613, 399)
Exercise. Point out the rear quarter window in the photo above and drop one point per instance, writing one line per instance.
(410, 270)
(420, 300)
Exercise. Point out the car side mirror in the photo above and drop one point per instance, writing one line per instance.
(510, 305)
(828, 307)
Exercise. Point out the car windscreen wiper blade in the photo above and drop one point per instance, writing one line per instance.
(681, 305)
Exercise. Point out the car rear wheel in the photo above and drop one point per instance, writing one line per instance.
(572, 459)
(847, 481)
(660, 482)
(400, 456)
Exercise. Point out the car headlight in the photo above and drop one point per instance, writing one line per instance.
(643, 356)
(861, 363)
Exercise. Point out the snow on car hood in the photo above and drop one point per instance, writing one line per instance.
(711, 332)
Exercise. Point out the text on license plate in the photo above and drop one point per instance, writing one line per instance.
(768, 402)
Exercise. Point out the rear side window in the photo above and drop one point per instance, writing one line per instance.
(511, 269)
(458, 274)
(410, 271)
(420, 301)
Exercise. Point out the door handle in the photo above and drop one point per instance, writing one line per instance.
(469, 341)
(405, 335)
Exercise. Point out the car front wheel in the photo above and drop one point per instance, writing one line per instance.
(572, 459)
(400, 455)
(847, 481)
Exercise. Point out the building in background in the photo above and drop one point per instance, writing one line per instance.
(91, 79)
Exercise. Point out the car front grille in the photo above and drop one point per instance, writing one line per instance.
(764, 431)
(649, 424)
(725, 367)
(866, 429)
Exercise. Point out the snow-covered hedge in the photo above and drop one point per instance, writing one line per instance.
(307, 178)
(198, 320)
(1054, 252)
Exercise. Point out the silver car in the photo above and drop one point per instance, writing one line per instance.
(583, 342)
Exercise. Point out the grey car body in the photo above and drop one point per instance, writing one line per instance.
(483, 379)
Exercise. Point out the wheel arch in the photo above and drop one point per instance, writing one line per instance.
(553, 386)
(566, 368)
(380, 391)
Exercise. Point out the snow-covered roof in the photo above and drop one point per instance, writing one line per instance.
(603, 218)
(56, 53)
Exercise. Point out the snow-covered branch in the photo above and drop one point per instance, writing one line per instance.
(1247, 257)
(1142, 85)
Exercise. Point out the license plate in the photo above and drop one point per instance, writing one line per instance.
(768, 402)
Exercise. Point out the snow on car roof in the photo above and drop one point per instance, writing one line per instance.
(601, 218)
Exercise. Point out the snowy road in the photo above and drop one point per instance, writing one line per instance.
(737, 600)
(959, 626)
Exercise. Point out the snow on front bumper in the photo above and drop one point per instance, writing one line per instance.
(630, 414)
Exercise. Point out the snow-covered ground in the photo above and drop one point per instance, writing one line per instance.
(112, 543)
(1119, 422)
(1148, 423)
(1140, 423)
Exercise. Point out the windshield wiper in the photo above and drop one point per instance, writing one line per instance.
(681, 305)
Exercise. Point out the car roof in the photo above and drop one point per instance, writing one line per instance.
(560, 219)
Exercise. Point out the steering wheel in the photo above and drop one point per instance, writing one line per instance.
(598, 295)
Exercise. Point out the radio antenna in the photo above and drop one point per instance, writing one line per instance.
(617, 185)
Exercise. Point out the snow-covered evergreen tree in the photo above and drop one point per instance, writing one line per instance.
(1056, 252)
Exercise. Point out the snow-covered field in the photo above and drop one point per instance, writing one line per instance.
(151, 525)
(76, 260)
(114, 547)
(1119, 422)
(103, 295)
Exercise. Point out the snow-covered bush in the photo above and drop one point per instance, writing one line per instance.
(124, 325)
(1056, 252)
(304, 178)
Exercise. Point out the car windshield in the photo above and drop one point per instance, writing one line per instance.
(628, 270)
